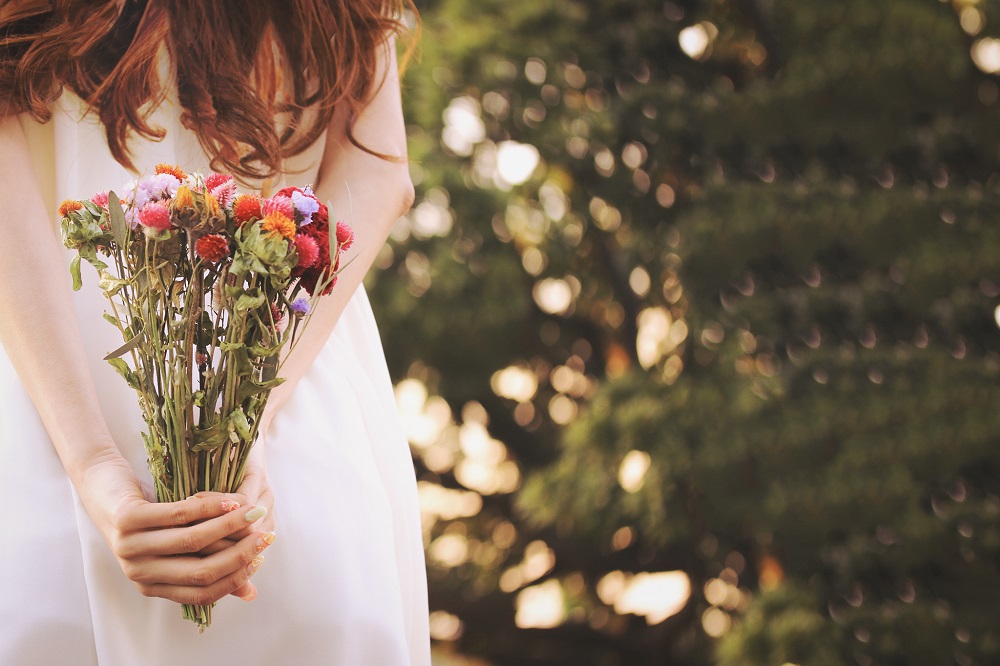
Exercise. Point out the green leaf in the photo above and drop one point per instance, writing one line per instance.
(249, 302)
(119, 229)
(111, 319)
(239, 423)
(126, 372)
(74, 270)
(211, 438)
(251, 387)
(264, 352)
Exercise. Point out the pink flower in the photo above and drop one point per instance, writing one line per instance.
(307, 250)
(100, 199)
(279, 203)
(345, 235)
(224, 193)
(155, 216)
(215, 179)
(222, 187)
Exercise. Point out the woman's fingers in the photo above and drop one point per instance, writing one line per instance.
(220, 545)
(148, 515)
(247, 593)
(237, 581)
(189, 538)
(196, 571)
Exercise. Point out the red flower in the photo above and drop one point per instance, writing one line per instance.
(100, 199)
(321, 219)
(212, 247)
(345, 235)
(155, 216)
(307, 249)
(310, 276)
(323, 243)
(246, 209)
(277, 317)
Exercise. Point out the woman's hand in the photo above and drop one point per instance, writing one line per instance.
(159, 546)
(155, 544)
(254, 491)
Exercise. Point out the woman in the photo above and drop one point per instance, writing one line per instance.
(92, 570)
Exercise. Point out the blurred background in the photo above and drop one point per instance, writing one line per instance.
(693, 330)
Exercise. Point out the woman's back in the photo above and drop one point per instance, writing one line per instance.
(344, 581)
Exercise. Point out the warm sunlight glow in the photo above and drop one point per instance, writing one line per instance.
(463, 126)
(553, 295)
(656, 596)
(633, 470)
(986, 54)
(695, 39)
(449, 549)
(540, 606)
(429, 219)
(658, 335)
(516, 161)
(440, 503)
(444, 626)
(715, 622)
(515, 382)
(424, 418)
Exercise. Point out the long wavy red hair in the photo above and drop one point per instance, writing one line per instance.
(229, 82)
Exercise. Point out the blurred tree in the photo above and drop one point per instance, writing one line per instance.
(694, 328)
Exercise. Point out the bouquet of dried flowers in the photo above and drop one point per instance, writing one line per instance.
(207, 287)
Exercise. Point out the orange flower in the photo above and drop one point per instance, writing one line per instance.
(172, 169)
(279, 223)
(246, 208)
(212, 206)
(184, 198)
(66, 207)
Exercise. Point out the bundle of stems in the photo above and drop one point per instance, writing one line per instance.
(204, 337)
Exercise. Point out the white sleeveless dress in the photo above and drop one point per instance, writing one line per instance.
(344, 583)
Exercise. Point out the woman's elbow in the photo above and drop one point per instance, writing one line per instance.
(407, 195)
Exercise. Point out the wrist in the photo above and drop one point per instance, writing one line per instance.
(81, 455)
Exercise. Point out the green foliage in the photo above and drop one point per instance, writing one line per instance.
(774, 222)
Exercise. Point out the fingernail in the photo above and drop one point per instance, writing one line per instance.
(225, 505)
(234, 506)
(256, 513)
(264, 540)
(251, 594)
(255, 564)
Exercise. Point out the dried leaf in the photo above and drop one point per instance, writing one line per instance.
(125, 348)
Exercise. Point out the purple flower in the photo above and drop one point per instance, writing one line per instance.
(305, 206)
(162, 185)
(300, 306)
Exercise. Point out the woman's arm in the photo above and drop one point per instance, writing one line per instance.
(41, 336)
(368, 192)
